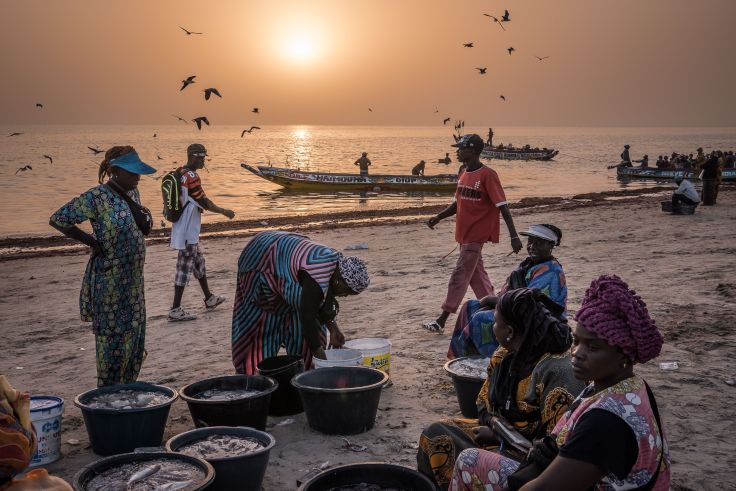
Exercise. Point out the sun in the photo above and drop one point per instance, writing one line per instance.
(301, 48)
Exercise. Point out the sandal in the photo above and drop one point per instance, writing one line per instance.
(433, 326)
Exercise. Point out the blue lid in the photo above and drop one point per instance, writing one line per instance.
(44, 403)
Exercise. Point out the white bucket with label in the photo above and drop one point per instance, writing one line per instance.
(46, 412)
(376, 352)
(339, 358)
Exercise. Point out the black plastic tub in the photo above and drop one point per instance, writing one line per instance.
(341, 400)
(115, 431)
(249, 411)
(466, 388)
(241, 472)
(285, 401)
(90, 471)
(376, 473)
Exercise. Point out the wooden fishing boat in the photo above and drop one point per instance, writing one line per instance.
(324, 181)
(518, 153)
(727, 175)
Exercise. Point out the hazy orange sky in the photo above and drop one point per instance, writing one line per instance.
(612, 62)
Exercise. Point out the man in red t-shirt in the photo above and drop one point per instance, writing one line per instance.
(479, 200)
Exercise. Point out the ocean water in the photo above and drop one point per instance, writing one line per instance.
(30, 197)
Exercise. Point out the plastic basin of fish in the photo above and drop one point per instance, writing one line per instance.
(282, 368)
(114, 431)
(375, 473)
(83, 477)
(341, 400)
(243, 472)
(466, 387)
(248, 411)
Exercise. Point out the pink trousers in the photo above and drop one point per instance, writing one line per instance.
(469, 271)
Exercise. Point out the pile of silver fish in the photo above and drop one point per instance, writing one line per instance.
(128, 399)
(226, 394)
(367, 487)
(221, 447)
(471, 367)
(150, 475)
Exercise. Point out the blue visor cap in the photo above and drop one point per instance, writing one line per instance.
(132, 163)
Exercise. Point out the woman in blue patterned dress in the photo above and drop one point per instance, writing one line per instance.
(473, 332)
(112, 295)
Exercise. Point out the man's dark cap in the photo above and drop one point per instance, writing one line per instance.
(196, 148)
(470, 141)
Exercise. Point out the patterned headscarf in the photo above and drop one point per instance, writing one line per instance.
(354, 272)
(620, 317)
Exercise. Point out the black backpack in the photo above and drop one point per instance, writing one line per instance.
(171, 192)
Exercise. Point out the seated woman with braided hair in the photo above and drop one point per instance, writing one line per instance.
(611, 437)
(530, 383)
(473, 332)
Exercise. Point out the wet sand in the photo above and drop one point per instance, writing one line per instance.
(679, 264)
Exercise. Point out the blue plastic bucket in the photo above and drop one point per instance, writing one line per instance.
(46, 412)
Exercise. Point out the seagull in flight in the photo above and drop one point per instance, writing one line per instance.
(180, 118)
(186, 82)
(158, 157)
(495, 19)
(209, 92)
(510, 49)
(541, 58)
(468, 45)
(481, 71)
(445, 121)
(249, 131)
(436, 109)
(189, 33)
(370, 110)
(255, 110)
(200, 120)
(505, 17)
(38, 104)
(23, 169)
(96, 150)
(154, 135)
(51, 161)
(502, 97)
(15, 134)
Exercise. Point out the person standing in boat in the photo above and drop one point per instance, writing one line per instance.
(418, 170)
(286, 296)
(364, 162)
(625, 157)
(479, 200)
(490, 137)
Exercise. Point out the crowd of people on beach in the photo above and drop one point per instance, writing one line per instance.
(564, 389)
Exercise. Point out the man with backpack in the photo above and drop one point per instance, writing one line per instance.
(185, 212)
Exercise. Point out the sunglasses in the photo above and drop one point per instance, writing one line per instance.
(198, 154)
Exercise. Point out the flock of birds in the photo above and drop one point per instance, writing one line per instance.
(210, 91)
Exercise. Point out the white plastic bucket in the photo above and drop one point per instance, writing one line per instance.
(46, 412)
(376, 352)
(339, 358)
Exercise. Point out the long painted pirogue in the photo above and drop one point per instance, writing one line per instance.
(727, 175)
(324, 181)
(518, 153)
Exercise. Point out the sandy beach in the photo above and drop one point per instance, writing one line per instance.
(679, 264)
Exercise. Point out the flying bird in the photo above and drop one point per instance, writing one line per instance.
(15, 134)
(541, 58)
(209, 92)
(38, 104)
(468, 45)
(24, 168)
(495, 19)
(370, 110)
(510, 49)
(158, 157)
(505, 17)
(180, 118)
(502, 97)
(436, 110)
(189, 33)
(200, 120)
(51, 161)
(445, 121)
(255, 110)
(481, 71)
(154, 135)
(187, 81)
(96, 150)
(250, 130)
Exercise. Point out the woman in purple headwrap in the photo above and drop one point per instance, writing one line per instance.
(611, 437)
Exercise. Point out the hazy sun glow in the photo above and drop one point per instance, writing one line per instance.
(300, 133)
(301, 48)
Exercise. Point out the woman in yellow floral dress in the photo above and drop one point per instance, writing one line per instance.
(530, 383)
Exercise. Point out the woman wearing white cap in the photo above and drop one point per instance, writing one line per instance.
(473, 332)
